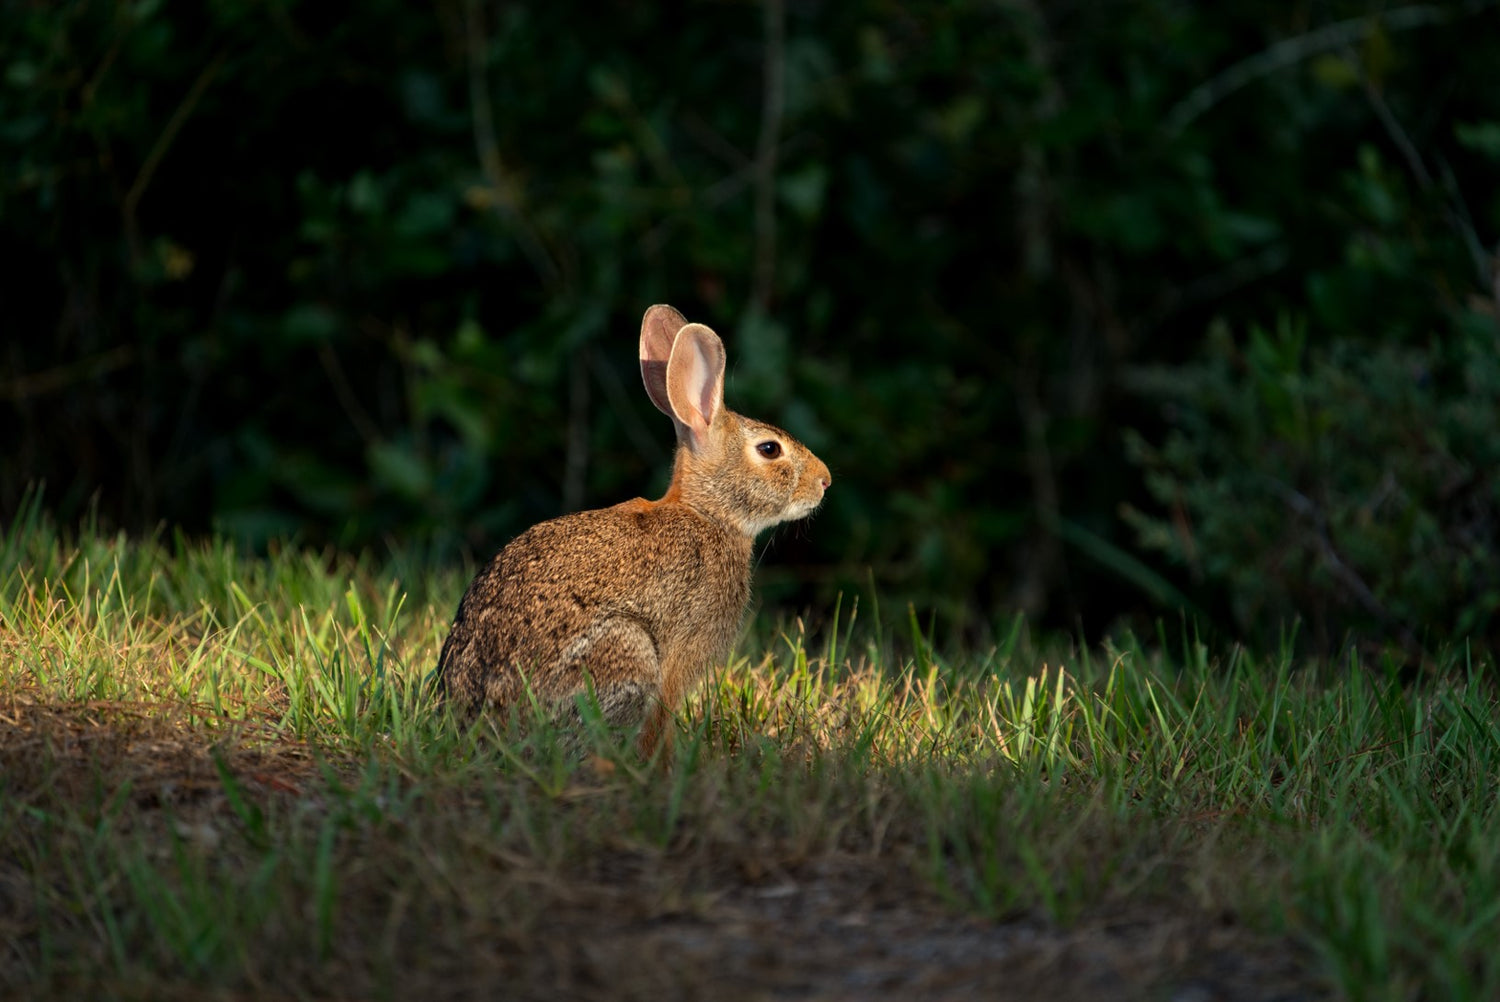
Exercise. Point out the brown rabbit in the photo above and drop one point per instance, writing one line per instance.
(643, 596)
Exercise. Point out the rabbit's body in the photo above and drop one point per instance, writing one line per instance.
(530, 613)
(639, 599)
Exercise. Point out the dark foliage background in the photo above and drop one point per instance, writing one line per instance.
(1096, 310)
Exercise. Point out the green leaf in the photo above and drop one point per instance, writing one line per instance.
(399, 469)
(309, 323)
(1481, 137)
(803, 190)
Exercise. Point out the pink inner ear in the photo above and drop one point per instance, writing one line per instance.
(654, 376)
(695, 380)
(659, 329)
(693, 390)
(703, 380)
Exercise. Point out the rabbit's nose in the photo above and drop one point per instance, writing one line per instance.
(826, 481)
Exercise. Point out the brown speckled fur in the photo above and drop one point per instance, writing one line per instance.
(645, 595)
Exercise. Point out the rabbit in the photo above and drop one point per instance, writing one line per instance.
(636, 601)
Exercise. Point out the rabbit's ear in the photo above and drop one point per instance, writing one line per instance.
(695, 383)
(659, 329)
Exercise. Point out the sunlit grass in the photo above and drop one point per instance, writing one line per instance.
(235, 768)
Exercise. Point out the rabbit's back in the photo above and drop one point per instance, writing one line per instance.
(635, 594)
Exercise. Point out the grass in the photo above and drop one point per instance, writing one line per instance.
(225, 777)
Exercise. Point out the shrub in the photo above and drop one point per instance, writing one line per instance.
(1353, 486)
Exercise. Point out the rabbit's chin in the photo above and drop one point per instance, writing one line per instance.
(755, 526)
(800, 509)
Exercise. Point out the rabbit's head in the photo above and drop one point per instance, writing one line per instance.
(744, 472)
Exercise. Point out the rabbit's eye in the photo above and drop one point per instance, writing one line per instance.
(769, 449)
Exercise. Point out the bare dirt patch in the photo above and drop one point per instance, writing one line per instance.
(845, 929)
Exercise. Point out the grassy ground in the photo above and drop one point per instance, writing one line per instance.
(223, 777)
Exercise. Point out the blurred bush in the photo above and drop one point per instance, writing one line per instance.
(1338, 467)
(370, 275)
(1350, 486)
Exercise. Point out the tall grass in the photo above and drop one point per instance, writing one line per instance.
(230, 772)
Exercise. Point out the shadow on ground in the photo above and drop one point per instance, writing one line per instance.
(833, 927)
